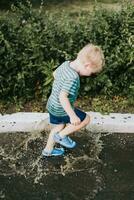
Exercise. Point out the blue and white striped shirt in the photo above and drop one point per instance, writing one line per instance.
(66, 79)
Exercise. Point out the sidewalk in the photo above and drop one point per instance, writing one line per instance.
(35, 121)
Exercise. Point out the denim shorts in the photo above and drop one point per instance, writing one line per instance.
(66, 119)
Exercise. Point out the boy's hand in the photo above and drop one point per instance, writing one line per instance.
(75, 120)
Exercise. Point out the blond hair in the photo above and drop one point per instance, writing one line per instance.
(92, 53)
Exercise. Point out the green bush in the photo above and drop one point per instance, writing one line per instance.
(34, 42)
(113, 31)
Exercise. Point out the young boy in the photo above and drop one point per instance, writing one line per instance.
(60, 104)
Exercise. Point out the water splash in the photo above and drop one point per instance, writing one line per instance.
(20, 155)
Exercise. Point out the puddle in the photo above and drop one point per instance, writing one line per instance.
(25, 174)
(100, 167)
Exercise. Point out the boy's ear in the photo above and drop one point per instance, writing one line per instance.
(88, 64)
(54, 74)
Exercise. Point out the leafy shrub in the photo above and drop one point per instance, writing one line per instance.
(113, 31)
(34, 42)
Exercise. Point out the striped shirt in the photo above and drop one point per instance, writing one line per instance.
(66, 79)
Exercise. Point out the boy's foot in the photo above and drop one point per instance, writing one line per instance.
(65, 141)
(54, 152)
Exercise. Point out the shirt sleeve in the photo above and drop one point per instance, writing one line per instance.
(70, 86)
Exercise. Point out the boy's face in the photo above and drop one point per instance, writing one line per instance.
(88, 69)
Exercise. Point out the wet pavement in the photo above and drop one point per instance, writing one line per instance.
(100, 167)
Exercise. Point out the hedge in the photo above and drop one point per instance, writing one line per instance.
(33, 42)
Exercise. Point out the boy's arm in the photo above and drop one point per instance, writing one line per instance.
(74, 119)
(63, 97)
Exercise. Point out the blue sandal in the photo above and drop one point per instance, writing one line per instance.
(54, 152)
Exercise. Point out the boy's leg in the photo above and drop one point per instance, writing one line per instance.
(72, 128)
(50, 142)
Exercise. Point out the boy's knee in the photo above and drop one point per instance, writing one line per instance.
(58, 128)
(87, 119)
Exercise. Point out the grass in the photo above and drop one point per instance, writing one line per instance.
(101, 104)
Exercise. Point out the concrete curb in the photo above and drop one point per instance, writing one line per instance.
(35, 121)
